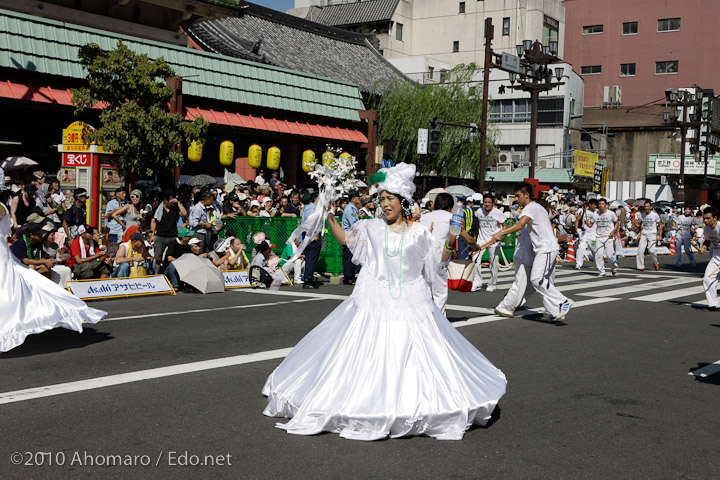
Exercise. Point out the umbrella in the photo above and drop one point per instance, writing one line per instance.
(433, 193)
(618, 203)
(460, 190)
(200, 180)
(17, 163)
(639, 202)
(200, 273)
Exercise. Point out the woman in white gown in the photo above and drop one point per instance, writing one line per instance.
(386, 362)
(31, 303)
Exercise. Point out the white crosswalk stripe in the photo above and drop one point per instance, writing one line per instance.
(659, 297)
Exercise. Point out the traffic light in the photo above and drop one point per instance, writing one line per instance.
(433, 142)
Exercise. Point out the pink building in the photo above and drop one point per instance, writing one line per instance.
(643, 46)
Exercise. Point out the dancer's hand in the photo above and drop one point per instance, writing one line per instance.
(498, 237)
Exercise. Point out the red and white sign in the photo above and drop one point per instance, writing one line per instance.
(76, 159)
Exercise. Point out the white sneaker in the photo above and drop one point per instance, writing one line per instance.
(601, 274)
(476, 289)
(504, 312)
(578, 268)
(491, 288)
(564, 309)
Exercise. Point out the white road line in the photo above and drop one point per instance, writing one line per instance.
(131, 377)
(108, 381)
(201, 310)
(585, 280)
(707, 370)
(468, 308)
(289, 293)
(597, 283)
(659, 297)
(640, 286)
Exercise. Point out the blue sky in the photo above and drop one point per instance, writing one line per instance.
(282, 5)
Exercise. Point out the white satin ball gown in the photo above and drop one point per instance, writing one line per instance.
(31, 303)
(386, 362)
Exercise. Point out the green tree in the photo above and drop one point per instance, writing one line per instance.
(405, 107)
(131, 89)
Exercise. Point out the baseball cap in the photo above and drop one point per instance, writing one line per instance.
(35, 229)
(185, 232)
(194, 241)
(254, 203)
(47, 229)
(35, 218)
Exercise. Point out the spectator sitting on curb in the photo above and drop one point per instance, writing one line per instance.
(84, 261)
(28, 249)
(133, 253)
(174, 251)
(296, 267)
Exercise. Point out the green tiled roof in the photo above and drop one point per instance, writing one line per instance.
(544, 175)
(48, 46)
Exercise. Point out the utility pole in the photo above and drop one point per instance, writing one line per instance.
(489, 32)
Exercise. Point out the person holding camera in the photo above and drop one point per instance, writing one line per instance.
(164, 224)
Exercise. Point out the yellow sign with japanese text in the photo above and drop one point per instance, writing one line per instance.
(585, 163)
(74, 139)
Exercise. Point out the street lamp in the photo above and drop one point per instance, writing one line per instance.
(682, 101)
(536, 60)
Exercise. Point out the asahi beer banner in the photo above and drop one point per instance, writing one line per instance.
(240, 278)
(120, 287)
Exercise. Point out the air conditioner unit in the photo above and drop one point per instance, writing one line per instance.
(503, 158)
(518, 158)
(504, 168)
(607, 94)
(617, 94)
(544, 163)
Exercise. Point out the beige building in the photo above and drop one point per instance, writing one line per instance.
(425, 36)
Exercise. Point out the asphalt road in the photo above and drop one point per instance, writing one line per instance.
(166, 381)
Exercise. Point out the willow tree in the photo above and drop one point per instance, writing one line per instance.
(132, 92)
(405, 107)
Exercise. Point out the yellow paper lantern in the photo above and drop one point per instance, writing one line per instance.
(227, 152)
(345, 156)
(273, 158)
(195, 151)
(308, 160)
(255, 156)
(328, 158)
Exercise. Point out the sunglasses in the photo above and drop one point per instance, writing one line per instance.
(134, 196)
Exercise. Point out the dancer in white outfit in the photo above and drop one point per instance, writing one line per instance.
(490, 221)
(683, 225)
(534, 258)
(712, 271)
(438, 222)
(651, 231)
(386, 362)
(589, 237)
(30, 302)
(606, 227)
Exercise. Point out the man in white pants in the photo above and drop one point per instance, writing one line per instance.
(490, 221)
(606, 226)
(534, 258)
(712, 271)
(438, 222)
(589, 237)
(683, 225)
(651, 231)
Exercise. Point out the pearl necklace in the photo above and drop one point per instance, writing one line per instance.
(388, 256)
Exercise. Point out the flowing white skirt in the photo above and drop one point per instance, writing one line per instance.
(377, 367)
(31, 303)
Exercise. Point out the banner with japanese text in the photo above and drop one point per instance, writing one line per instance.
(120, 287)
(585, 163)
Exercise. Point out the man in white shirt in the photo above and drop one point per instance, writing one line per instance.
(589, 236)
(534, 258)
(490, 220)
(712, 271)
(683, 224)
(199, 220)
(606, 222)
(649, 220)
(438, 222)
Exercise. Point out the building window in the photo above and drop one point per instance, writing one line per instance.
(630, 28)
(510, 111)
(443, 75)
(666, 68)
(592, 29)
(591, 70)
(668, 25)
(506, 26)
(627, 69)
(398, 31)
(431, 73)
(461, 7)
(456, 46)
(550, 111)
(550, 30)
